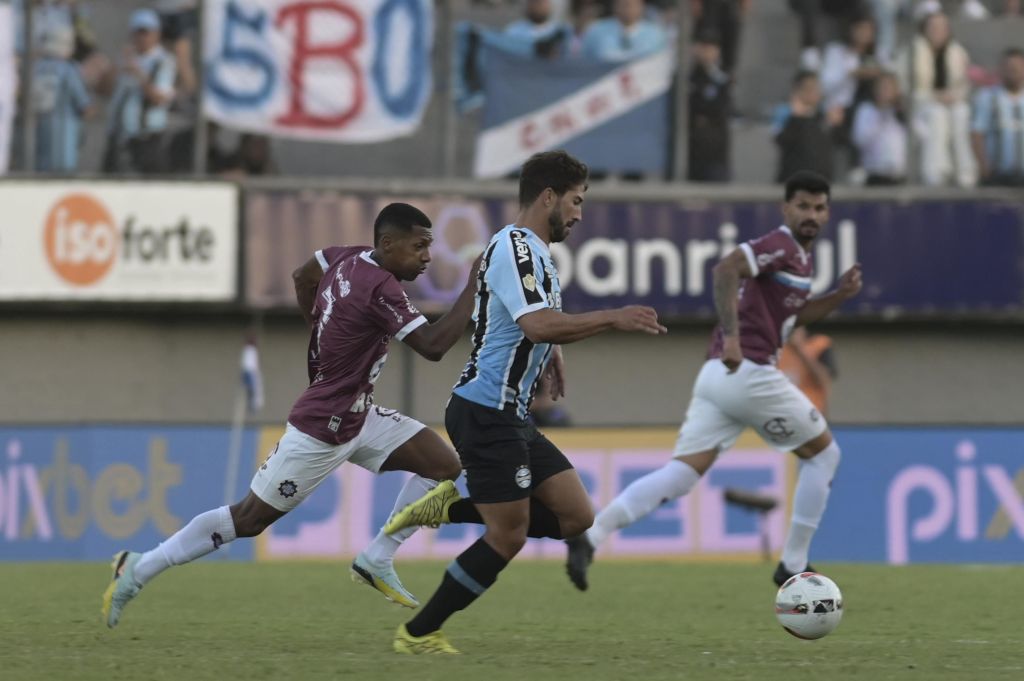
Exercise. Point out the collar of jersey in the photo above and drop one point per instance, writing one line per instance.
(788, 231)
(536, 238)
(365, 255)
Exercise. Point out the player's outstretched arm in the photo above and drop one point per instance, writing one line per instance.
(849, 286)
(432, 341)
(551, 326)
(306, 279)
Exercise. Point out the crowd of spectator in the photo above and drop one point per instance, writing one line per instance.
(876, 97)
(859, 107)
(147, 89)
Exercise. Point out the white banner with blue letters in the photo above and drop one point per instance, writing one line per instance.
(331, 70)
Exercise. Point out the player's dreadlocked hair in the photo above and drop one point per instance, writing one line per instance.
(810, 182)
(555, 169)
(400, 217)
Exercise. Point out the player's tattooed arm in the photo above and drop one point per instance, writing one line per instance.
(726, 277)
(306, 279)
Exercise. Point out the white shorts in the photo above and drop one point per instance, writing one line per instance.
(299, 462)
(756, 396)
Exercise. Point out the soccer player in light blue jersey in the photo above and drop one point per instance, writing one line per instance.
(520, 484)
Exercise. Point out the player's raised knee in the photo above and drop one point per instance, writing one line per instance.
(448, 469)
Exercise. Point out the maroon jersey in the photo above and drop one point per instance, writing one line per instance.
(359, 307)
(771, 299)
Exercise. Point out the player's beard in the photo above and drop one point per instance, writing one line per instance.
(558, 228)
(806, 238)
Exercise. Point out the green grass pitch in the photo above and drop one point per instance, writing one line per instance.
(639, 622)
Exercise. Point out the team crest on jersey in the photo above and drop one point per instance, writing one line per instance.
(530, 282)
(287, 489)
(334, 424)
(524, 477)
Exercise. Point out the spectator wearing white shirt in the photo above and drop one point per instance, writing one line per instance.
(849, 67)
(625, 36)
(941, 112)
(880, 133)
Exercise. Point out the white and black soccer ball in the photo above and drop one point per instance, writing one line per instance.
(809, 605)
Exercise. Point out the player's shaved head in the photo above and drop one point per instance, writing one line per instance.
(555, 169)
(807, 181)
(398, 218)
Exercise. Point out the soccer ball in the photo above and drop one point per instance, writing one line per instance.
(809, 605)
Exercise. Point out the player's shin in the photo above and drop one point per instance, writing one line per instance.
(381, 551)
(809, 501)
(204, 534)
(671, 481)
(465, 580)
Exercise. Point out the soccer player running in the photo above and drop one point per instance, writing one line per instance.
(354, 303)
(761, 292)
(520, 484)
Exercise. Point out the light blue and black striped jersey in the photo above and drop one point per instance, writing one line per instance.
(517, 276)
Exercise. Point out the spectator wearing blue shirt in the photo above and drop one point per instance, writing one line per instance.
(997, 128)
(141, 101)
(47, 15)
(59, 100)
(541, 29)
(625, 36)
(539, 21)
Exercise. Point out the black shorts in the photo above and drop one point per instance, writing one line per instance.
(504, 456)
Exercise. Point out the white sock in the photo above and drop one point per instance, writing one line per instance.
(671, 481)
(809, 501)
(381, 550)
(203, 535)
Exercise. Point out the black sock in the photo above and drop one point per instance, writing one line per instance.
(463, 511)
(469, 575)
(543, 522)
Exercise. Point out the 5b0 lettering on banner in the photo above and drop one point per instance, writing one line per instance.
(333, 70)
(118, 241)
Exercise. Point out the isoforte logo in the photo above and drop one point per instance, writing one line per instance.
(81, 239)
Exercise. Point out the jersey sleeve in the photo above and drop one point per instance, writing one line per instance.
(395, 312)
(768, 253)
(512, 275)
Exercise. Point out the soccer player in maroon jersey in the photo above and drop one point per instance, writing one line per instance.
(761, 291)
(354, 302)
